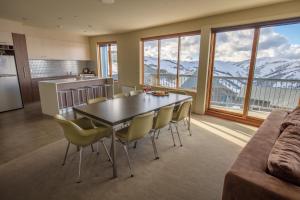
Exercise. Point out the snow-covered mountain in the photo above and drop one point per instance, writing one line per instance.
(275, 68)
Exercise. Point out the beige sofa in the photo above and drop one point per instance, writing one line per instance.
(248, 177)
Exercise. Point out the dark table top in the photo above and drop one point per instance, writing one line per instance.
(116, 111)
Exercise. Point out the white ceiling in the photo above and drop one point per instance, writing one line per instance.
(91, 17)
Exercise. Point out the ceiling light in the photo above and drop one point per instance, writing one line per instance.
(108, 1)
(59, 26)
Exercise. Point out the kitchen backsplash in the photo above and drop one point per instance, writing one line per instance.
(53, 68)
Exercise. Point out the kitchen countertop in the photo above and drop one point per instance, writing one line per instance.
(70, 80)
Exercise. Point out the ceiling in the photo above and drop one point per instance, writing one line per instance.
(92, 17)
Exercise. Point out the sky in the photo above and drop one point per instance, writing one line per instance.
(235, 46)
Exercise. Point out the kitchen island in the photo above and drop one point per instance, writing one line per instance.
(58, 96)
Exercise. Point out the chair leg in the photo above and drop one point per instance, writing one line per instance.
(128, 160)
(79, 167)
(135, 144)
(176, 125)
(66, 154)
(157, 134)
(97, 148)
(154, 146)
(172, 135)
(92, 148)
(108, 154)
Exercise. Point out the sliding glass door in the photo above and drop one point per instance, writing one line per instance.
(254, 70)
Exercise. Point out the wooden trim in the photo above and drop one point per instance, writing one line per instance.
(172, 35)
(158, 64)
(244, 120)
(109, 61)
(142, 63)
(106, 43)
(173, 89)
(99, 71)
(257, 24)
(178, 61)
(251, 72)
(210, 69)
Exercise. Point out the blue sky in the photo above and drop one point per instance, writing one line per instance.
(291, 32)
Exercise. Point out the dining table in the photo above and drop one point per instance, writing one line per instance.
(117, 113)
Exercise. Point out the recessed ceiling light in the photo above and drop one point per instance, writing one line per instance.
(24, 19)
(107, 1)
(90, 26)
(59, 26)
(85, 31)
(59, 18)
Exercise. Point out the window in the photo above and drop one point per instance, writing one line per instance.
(255, 70)
(172, 61)
(108, 60)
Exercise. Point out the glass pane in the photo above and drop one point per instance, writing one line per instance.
(114, 61)
(189, 61)
(168, 62)
(231, 69)
(150, 62)
(104, 60)
(276, 81)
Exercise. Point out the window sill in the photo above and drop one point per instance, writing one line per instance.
(167, 88)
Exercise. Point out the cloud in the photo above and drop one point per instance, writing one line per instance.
(236, 46)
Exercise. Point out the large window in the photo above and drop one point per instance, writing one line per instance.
(172, 61)
(255, 70)
(108, 60)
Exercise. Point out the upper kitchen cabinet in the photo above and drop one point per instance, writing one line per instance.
(6, 38)
(53, 49)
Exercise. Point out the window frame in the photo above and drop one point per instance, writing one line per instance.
(158, 39)
(233, 116)
(110, 43)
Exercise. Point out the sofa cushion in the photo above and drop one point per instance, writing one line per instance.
(284, 159)
(291, 119)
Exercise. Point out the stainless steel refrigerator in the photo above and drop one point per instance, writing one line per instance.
(10, 95)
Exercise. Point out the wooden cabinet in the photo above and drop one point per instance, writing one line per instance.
(50, 49)
(23, 69)
(6, 38)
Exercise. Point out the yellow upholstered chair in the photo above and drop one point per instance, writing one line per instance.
(135, 92)
(119, 95)
(96, 100)
(181, 114)
(139, 127)
(82, 133)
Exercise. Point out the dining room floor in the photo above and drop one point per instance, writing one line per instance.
(32, 147)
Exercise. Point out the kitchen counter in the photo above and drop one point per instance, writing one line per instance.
(51, 101)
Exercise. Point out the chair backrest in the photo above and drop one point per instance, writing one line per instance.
(163, 117)
(140, 126)
(96, 100)
(72, 132)
(178, 92)
(119, 95)
(135, 92)
(183, 110)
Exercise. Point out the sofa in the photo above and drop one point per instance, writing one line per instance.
(248, 178)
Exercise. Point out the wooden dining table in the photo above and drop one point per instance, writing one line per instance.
(117, 113)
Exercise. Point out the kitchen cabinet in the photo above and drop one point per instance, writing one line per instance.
(6, 38)
(50, 49)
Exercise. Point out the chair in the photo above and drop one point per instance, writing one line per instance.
(82, 133)
(163, 119)
(96, 100)
(181, 114)
(119, 95)
(139, 127)
(135, 92)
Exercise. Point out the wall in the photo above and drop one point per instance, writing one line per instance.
(47, 44)
(129, 43)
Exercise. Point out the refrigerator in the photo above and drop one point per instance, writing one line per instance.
(10, 95)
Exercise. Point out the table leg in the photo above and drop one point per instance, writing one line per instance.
(113, 143)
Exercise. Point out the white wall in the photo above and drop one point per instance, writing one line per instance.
(47, 44)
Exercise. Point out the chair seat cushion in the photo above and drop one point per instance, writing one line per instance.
(83, 123)
(122, 134)
(284, 159)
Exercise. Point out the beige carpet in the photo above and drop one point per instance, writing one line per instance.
(194, 171)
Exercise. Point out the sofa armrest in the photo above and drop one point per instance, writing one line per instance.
(246, 185)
